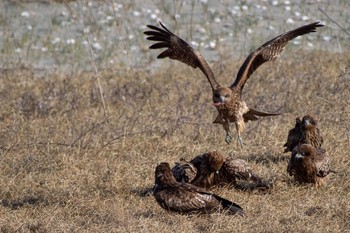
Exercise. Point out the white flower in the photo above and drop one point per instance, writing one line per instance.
(25, 14)
(304, 18)
(136, 13)
(56, 40)
(70, 41)
(96, 46)
(327, 38)
(274, 3)
(212, 44)
(217, 20)
(290, 21)
(194, 44)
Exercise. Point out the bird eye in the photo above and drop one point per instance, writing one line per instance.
(227, 95)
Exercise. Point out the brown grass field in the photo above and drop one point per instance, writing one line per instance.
(65, 166)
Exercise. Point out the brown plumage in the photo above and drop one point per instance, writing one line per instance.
(187, 198)
(208, 165)
(184, 171)
(306, 131)
(309, 165)
(228, 100)
(294, 136)
(214, 169)
(237, 169)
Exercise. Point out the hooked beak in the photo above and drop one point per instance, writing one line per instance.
(219, 101)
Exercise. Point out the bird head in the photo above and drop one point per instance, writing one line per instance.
(221, 96)
(215, 161)
(303, 151)
(308, 122)
(163, 174)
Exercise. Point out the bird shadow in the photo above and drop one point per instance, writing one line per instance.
(268, 158)
(24, 201)
(143, 191)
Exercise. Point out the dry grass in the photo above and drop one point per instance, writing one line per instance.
(64, 167)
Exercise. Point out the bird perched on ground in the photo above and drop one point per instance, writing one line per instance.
(187, 198)
(227, 100)
(305, 131)
(309, 165)
(212, 168)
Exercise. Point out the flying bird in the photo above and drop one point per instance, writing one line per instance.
(186, 198)
(227, 100)
(305, 131)
(309, 165)
(212, 168)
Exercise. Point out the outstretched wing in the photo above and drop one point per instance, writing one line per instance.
(269, 52)
(180, 50)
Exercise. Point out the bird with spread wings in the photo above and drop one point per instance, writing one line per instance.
(227, 100)
(187, 198)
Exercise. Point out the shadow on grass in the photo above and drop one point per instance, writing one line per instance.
(143, 191)
(269, 158)
(29, 201)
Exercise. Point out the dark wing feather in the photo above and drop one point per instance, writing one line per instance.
(238, 169)
(269, 52)
(292, 164)
(180, 50)
(295, 136)
(212, 201)
(184, 171)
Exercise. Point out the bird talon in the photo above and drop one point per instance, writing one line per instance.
(228, 139)
(240, 142)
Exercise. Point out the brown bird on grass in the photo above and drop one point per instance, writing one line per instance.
(187, 198)
(309, 165)
(208, 166)
(306, 131)
(227, 100)
(212, 168)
